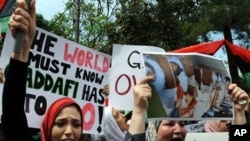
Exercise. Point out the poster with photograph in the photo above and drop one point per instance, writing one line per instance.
(190, 86)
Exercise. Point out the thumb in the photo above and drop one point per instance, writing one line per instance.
(146, 79)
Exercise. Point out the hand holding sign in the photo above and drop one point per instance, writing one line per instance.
(19, 35)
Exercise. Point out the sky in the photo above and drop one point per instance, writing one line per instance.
(49, 8)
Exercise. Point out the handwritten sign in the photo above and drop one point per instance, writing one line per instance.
(126, 70)
(58, 68)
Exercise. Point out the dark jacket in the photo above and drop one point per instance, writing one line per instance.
(14, 120)
(136, 137)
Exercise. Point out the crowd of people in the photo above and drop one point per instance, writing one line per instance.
(167, 130)
(63, 119)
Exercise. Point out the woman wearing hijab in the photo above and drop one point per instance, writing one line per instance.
(173, 130)
(63, 120)
(64, 111)
(166, 130)
(114, 125)
(216, 126)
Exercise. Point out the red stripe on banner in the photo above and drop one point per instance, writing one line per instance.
(2, 3)
(6, 7)
(209, 48)
(239, 51)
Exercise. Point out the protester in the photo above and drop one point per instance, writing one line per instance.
(216, 126)
(155, 133)
(142, 93)
(2, 137)
(114, 125)
(63, 120)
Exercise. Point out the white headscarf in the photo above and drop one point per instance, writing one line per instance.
(111, 130)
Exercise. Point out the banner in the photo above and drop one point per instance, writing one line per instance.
(6, 7)
(58, 68)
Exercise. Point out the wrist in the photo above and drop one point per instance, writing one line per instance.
(240, 113)
(139, 111)
(240, 118)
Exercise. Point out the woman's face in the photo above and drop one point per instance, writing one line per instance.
(120, 119)
(223, 125)
(169, 130)
(67, 125)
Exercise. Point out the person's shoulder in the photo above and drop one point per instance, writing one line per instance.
(135, 137)
(102, 138)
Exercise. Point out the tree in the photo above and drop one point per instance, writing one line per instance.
(41, 22)
(143, 22)
(224, 15)
(103, 23)
(161, 23)
(165, 23)
(93, 18)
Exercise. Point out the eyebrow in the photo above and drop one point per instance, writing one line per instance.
(65, 119)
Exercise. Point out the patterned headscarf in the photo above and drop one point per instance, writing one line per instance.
(52, 113)
(151, 132)
(152, 129)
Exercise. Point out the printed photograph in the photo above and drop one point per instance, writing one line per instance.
(189, 86)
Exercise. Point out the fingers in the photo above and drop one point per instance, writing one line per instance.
(22, 4)
(241, 97)
(29, 8)
(237, 94)
(235, 91)
(146, 80)
(20, 18)
(106, 90)
(142, 89)
(144, 83)
(33, 9)
(11, 25)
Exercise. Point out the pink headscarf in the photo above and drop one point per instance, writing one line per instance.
(212, 126)
(52, 113)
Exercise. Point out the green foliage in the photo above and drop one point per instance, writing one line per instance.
(218, 14)
(41, 22)
(170, 24)
(145, 23)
